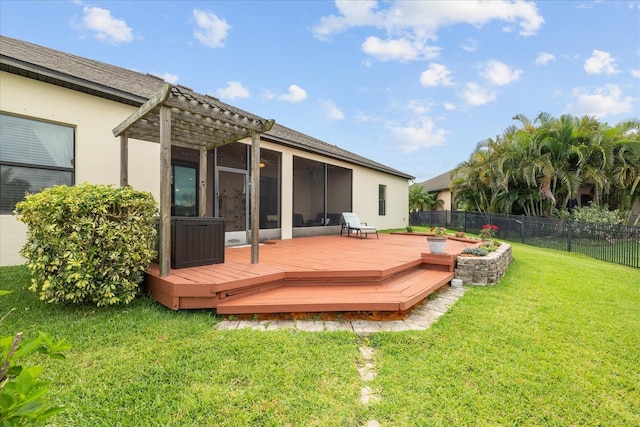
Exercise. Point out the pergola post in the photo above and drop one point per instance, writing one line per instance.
(124, 159)
(255, 197)
(164, 257)
(187, 119)
(202, 176)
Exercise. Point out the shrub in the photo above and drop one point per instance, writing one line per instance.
(592, 213)
(596, 213)
(88, 243)
(475, 251)
(22, 393)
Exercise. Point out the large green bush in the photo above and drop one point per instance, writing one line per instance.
(592, 213)
(88, 243)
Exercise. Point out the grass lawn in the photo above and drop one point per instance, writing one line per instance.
(556, 342)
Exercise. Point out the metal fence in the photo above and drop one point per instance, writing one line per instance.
(619, 244)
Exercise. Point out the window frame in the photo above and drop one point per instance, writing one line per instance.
(382, 200)
(35, 166)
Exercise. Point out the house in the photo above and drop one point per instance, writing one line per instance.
(58, 113)
(440, 184)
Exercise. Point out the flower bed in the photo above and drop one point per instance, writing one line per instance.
(485, 270)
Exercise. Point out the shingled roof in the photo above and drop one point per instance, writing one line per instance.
(437, 183)
(134, 88)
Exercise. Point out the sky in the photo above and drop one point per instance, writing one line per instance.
(414, 85)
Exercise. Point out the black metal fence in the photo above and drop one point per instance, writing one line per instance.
(619, 244)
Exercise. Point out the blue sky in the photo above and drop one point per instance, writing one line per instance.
(414, 85)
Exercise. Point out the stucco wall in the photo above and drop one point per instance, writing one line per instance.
(365, 199)
(97, 151)
(446, 196)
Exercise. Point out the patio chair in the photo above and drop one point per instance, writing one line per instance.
(351, 223)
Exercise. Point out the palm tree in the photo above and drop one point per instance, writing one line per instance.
(419, 198)
(541, 165)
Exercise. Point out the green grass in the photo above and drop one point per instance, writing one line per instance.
(143, 364)
(554, 343)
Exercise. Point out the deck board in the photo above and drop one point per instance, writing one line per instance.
(324, 273)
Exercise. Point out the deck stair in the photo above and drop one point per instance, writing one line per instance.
(398, 292)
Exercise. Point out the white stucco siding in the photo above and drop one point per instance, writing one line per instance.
(365, 198)
(446, 196)
(12, 239)
(97, 151)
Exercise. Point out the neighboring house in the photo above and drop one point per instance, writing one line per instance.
(440, 184)
(57, 115)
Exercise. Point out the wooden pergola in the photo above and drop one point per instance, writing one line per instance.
(176, 116)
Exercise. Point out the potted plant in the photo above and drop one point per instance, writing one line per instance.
(438, 241)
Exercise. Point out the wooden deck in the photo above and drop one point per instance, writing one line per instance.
(313, 274)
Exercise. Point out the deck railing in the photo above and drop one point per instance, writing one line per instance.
(619, 244)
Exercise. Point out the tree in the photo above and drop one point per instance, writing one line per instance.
(420, 199)
(541, 165)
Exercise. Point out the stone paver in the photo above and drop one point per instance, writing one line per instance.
(368, 396)
(420, 319)
(332, 325)
(310, 325)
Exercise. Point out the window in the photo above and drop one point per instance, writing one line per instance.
(382, 200)
(321, 192)
(270, 188)
(34, 155)
(184, 189)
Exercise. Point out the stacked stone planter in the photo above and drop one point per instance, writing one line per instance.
(484, 270)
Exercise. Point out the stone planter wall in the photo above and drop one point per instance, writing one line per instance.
(484, 270)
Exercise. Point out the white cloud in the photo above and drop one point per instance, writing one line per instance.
(331, 110)
(470, 45)
(417, 107)
(500, 74)
(475, 95)
(600, 62)
(449, 106)
(436, 75)
(398, 49)
(544, 58)
(362, 117)
(352, 14)
(419, 133)
(267, 95)
(168, 77)
(212, 31)
(233, 90)
(605, 101)
(106, 27)
(424, 18)
(636, 73)
(295, 94)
